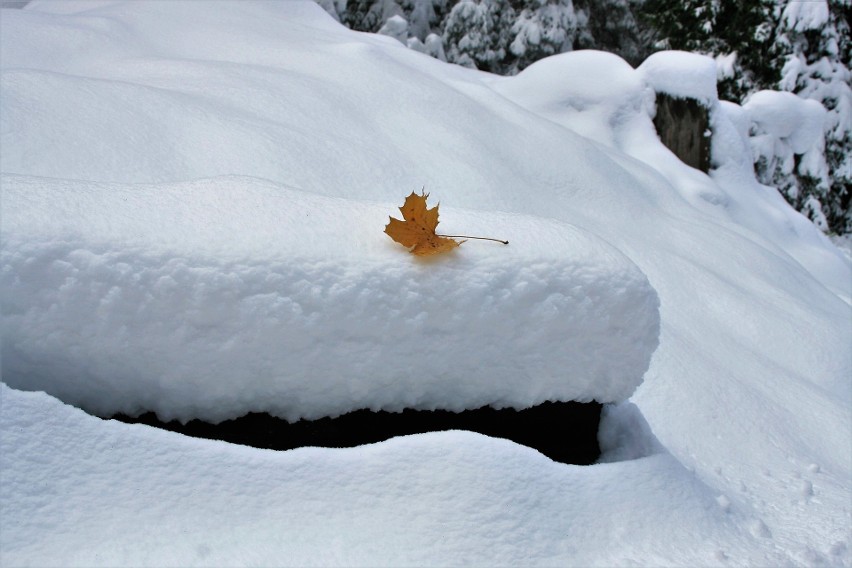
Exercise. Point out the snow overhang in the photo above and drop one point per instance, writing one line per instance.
(133, 298)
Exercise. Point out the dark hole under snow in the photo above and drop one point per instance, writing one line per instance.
(566, 432)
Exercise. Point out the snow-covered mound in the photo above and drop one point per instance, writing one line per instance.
(214, 298)
(609, 95)
(799, 122)
(787, 136)
(152, 498)
(747, 394)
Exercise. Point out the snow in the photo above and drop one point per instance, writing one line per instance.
(784, 125)
(734, 450)
(438, 499)
(725, 66)
(610, 92)
(802, 16)
(397, 28)
(681, 74)
(139, 297)
(823, 81)
(785, 116)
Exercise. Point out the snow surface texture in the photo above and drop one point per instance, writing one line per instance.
(735, 449)
(215, 298)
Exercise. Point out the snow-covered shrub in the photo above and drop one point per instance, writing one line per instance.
(814, 47)
(786, 136)
(422, 16)
(369, 15)
(435, 47)
(543, 28)
(613, 26)
(397, 28)
(474, 33)
(500, 36)
(737, 31)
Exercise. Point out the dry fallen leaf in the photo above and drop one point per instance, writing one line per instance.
(417, 231)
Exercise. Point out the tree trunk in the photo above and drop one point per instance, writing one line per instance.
(683, 126)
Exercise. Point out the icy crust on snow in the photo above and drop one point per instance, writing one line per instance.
(681, 74)
(213, 298)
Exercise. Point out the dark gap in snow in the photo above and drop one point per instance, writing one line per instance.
(565, 432)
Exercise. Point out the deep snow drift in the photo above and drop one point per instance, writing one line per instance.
(220, 297)
(121, 494)
(745, 457)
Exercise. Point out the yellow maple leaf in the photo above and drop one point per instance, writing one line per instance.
(417, 231)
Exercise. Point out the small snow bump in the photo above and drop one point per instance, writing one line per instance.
(759, 529)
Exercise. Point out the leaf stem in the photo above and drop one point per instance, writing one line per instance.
(469, 237)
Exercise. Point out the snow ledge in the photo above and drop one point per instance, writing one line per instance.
(132, 298)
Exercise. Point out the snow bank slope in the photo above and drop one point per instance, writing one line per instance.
(219, 297)
(749, 389)
(151, 498)
(756, 322)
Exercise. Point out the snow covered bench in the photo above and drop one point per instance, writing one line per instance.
(214, 298)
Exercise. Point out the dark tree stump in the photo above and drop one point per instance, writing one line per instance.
(683, 125)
